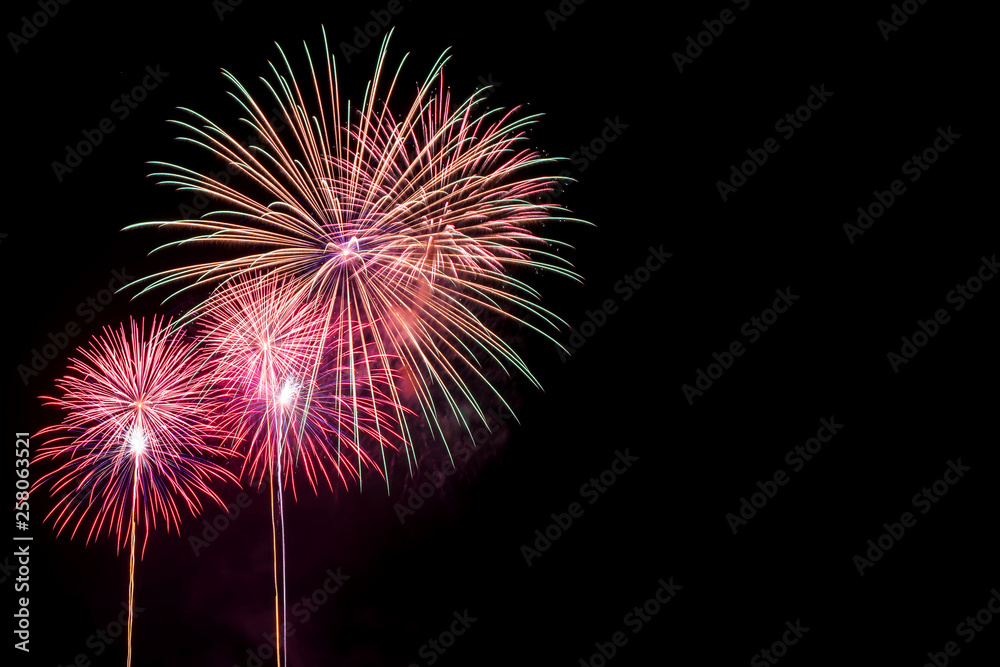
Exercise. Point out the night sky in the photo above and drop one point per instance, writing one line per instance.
(773, 441)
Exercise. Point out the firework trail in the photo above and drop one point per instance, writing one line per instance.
(132, 443)
(262, 340)
(408, 230)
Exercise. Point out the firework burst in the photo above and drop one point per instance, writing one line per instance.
(262, 340)
(409, 231)
(132, 445)
(283, 410)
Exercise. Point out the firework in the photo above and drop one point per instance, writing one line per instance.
(409, 230)
(281, 409)
(262, 341)
(132, 441)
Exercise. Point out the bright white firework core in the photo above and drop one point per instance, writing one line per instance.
(350, 248)
(287, 393)
(137, 440)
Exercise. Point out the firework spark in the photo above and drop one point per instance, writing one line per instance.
(263, 340)
(132, 441)
(409, 231)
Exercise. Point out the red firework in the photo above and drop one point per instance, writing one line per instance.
(414, 224)
(276, 405)
(281, 407)
(134, 434)
(133, 437)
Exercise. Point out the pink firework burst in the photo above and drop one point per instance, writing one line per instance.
(281, 409)
(410, 225)
(132, 444)
(134, 437)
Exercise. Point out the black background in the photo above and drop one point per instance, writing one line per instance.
(654, 185)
